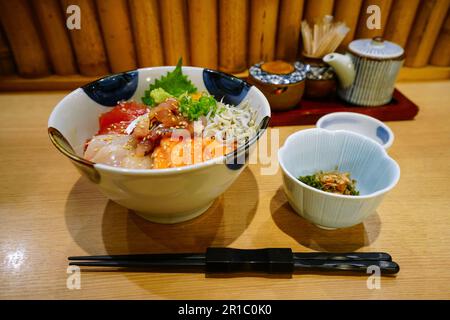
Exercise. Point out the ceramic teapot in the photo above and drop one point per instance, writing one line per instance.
(367, 72)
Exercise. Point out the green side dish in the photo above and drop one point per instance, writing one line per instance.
(332, 181)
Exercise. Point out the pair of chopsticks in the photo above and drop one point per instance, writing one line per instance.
(226, 260)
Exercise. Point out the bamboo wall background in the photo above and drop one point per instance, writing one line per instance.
(230, 35)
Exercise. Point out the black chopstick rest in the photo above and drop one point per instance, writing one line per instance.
(270, 260)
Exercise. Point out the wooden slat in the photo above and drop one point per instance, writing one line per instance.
(400, 21)
(203, 29)
(87, 42)
(29, 53)
(233, 31)
(316, 9)
(263, 26)
(147, 32)
(209, 33)
(54, 32)
(288, 33)
(429, 19)
(7, 66)
(117, 34)
(348, 12)
(441, 51)
(175, 31)
(363, 31)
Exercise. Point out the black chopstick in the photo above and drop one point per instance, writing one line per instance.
(271, 260)
(385, 267)
(353, 256)
(143, 257)
(138, 264)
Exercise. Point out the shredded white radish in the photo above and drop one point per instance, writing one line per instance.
(231, 123)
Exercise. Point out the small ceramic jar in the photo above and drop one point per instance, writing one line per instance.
(320, 78)
(282, 83)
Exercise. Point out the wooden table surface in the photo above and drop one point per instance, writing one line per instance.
(48, 212)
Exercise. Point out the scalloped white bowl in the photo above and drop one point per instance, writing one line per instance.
(308, 151)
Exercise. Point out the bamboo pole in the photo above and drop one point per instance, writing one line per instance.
(233, 32)
(7, 66)
(429, 19)
(29, 53)
(288, 34)
(263, 27)
(348, 12)
(203, 33)
(87, 42)
(117, 34)
(401, 18)
(54, 32)
(147, 32)
(441, 51)
(316, 9)
(363, 31)
(175, 31)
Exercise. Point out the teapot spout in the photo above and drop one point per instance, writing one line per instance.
(343, 66)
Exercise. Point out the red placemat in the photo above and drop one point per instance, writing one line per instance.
(309, 111)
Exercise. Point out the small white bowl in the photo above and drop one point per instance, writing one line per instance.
(308, 151)
(359, 123)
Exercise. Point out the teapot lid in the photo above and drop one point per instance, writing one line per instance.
(376, 48)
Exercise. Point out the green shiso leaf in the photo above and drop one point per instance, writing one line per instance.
(174, 83)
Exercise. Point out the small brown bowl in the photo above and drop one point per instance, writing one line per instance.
(319, 89)
(281, 96)
(320, 84)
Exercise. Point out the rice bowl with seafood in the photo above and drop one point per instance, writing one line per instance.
(164, 153)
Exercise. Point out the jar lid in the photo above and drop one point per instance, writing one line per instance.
(278, 72)
(377, 48)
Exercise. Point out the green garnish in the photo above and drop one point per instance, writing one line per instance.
(331, 181)
(175, 83)
(159, 95)
(312, 181)
(194, 109)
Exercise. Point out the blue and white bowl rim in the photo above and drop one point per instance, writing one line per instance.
(221, 85)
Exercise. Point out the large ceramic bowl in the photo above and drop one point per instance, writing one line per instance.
(308, 151)
(161, 195)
